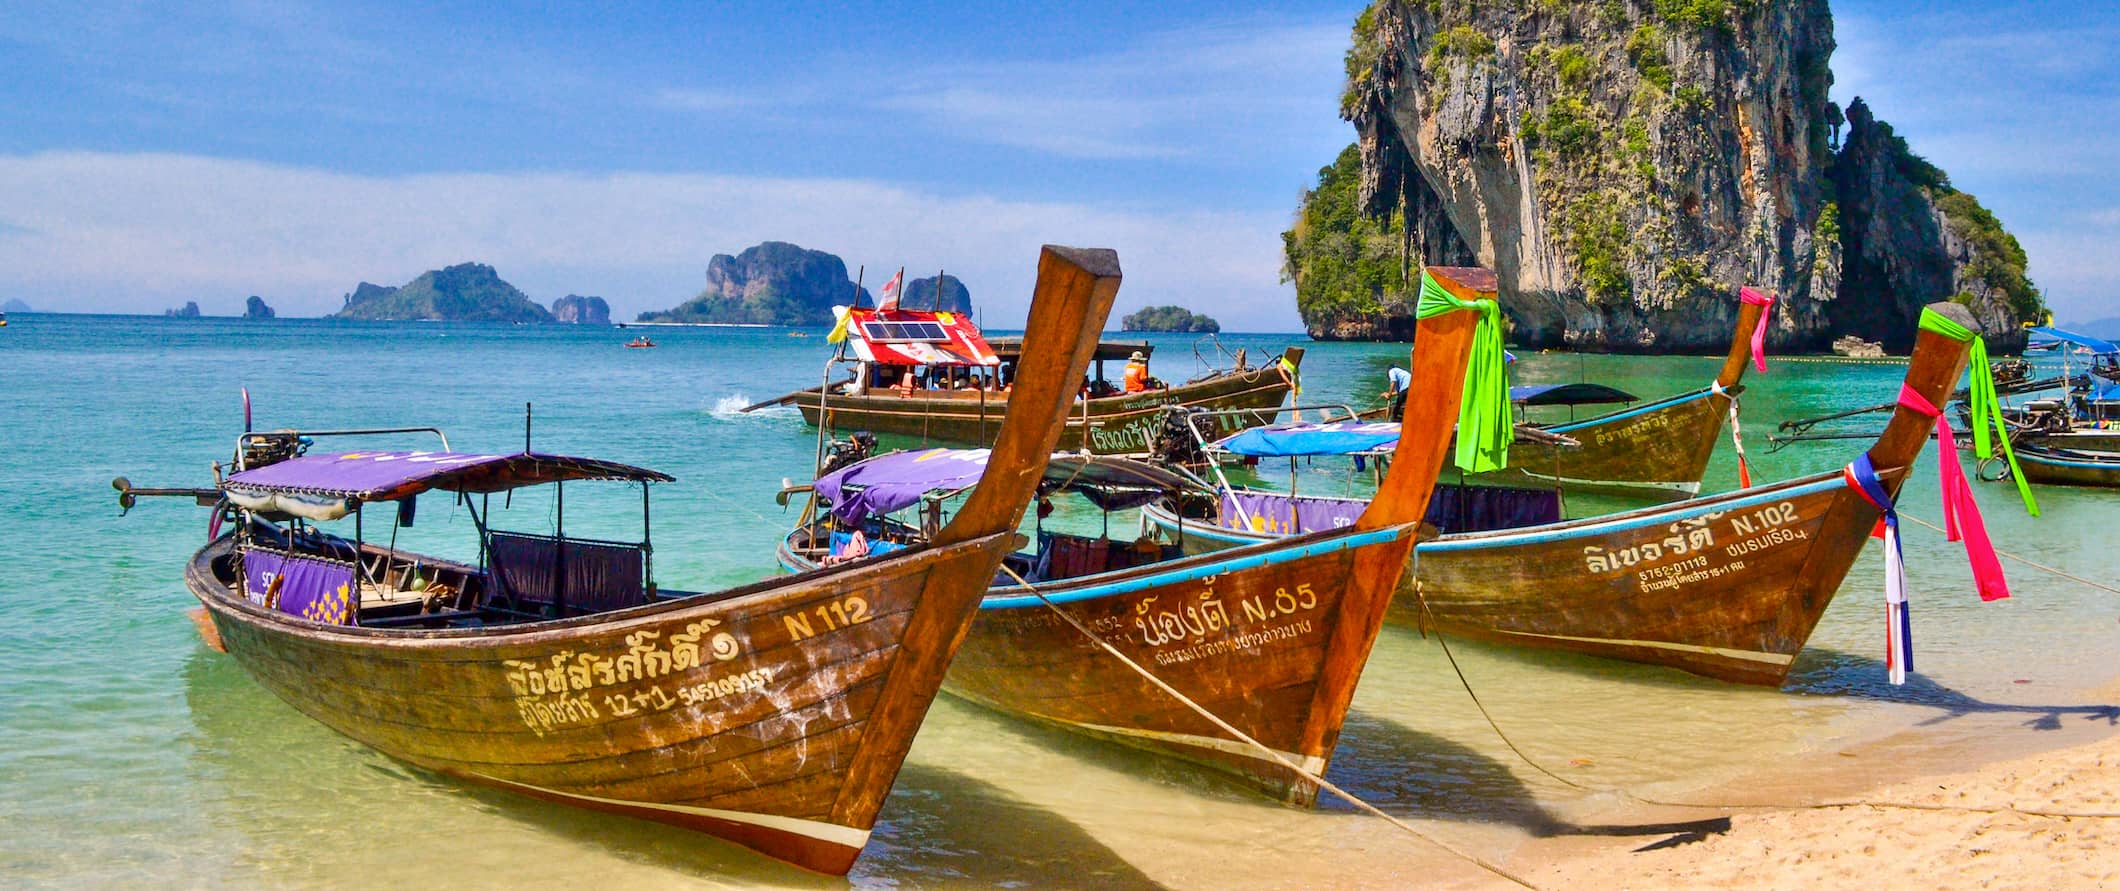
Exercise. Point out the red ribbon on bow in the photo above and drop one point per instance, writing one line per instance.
(1961, 514)
(1759, 333)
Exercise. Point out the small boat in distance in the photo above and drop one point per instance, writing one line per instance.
(775, 715)
(640, 343)
(1728, 586)
(932, 375)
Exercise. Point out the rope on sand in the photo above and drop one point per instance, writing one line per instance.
(1429, 626)
(1240, 735)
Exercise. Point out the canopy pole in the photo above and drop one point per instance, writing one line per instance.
(526, 428)
(647, 546)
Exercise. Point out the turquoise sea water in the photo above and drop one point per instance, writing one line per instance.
(132, 756)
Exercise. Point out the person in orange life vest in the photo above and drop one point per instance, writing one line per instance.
(1136, 372)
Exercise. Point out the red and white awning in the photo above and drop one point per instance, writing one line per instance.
(916, 337)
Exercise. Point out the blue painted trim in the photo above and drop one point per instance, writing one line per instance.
(1577, 528)
(1623, 415)
(1654, 517)
(1217, 564)
(2038, 458)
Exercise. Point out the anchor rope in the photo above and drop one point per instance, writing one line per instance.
(2028, 562)
(1245, 738)
(1630, 795)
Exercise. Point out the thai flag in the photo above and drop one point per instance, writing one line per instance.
(888, 297)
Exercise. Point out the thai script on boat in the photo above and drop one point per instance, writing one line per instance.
(1648, 422)
(1766, 540)
(1679, 543)
(755, 679)
(1684, 573)
(545, 715)
(646, 658)
(1181, 620)
(1245, 641)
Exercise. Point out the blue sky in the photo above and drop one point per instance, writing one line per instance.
(151, 154)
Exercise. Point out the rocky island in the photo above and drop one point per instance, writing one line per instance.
(15, 305)
(920, 294)
(774, 283)
(575, 309)
(256, 308)
(466, 292)
(190, 310)
(1172, 319)
(1624, 168)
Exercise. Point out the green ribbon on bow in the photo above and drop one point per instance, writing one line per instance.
(1484, 426)
(1985, 408)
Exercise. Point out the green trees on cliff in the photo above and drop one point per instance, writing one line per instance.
(1344, 263)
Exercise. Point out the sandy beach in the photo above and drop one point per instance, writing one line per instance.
(2050, 820)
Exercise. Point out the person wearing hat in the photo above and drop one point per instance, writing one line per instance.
(1136, 372)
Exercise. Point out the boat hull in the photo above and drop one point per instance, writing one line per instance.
(1114, 425)
(1266, 640)
(2069, 468)
(1728, 587)
(776, 716)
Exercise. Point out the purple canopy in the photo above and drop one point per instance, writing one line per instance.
(387, 476)
(887, 483)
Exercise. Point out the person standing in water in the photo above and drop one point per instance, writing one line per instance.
(1396, 382)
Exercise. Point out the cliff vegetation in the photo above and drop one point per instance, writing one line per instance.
(466, 292)
(1624, 166)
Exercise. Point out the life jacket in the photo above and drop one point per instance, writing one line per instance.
(1136, 377)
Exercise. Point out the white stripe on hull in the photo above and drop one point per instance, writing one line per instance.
(832, 833)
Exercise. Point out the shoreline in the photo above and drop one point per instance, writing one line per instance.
(1906, 809)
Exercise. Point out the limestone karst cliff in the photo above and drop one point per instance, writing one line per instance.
(1624, 167)
(466, 292)
(772, 283)
(575, 309)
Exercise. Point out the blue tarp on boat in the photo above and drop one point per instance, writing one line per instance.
(2095, 345)
(1294, 440)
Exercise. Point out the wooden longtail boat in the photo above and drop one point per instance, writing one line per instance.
(1657, 450)
(1270, 638)
(775, 715)
(2046, 463)
(884, 346)
(1728, 586)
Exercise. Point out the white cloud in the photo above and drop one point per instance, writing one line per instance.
(138, 232)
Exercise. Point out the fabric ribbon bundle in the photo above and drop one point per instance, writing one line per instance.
(1899, 628)
(1961, 514)
(1759, 332)
(1484, 427)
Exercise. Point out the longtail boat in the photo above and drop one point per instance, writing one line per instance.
(933, 376)
(1728, 586)
(775, 715)
(1657, 450)
(1270, 638)
(2042, 461)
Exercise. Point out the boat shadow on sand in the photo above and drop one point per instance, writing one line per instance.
(1826, 672)
(280, 782)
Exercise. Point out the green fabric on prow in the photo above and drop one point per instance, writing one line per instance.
(1484, 426)
(1985, 408)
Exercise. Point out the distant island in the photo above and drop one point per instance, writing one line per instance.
(190, 310)
(15, 306)
(774, 283)
(2106, 328)
(466, 292)
(257, 308)
(574, 309)
(1171, 319)
(920, 294)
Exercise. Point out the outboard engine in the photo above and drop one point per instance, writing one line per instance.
(843, 452)
(1173, 444)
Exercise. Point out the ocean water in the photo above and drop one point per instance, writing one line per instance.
(132, 756)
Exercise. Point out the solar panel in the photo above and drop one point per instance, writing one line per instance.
(902, 331)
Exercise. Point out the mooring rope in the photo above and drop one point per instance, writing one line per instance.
(2028, 562)
(1245, 738)
(1705, 805)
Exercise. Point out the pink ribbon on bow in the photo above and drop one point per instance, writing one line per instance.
(1759, 333)
(1961, 514)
